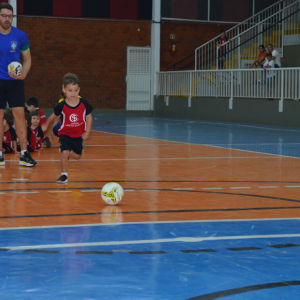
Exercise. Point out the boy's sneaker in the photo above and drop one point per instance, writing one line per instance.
(47, 142)
(2, 161)
(26, 160)
(62, 179)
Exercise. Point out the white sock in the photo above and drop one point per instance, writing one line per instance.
(64, 174)
(23, 152)
(1, 153)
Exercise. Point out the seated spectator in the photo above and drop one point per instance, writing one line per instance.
(222, 39)
(259, 62)
(270, 64)
(9, 143)
(275, 55)
(36, 128)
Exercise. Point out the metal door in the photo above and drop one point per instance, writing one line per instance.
(138, 78)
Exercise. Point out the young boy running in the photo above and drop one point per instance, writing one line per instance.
(76, 123)
(36, 128)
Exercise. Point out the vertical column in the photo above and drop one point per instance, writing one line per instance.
(155, 48)
(13, 3)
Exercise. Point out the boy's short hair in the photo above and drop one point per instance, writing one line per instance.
(269, 54)
(270, 45)
(32, 101)
(9, 119)
(262, 46)
(35, 113)
(4, 5)
(28, 119)
(222, 30)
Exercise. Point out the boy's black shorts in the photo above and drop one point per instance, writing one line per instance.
(12, 91)
(7, 149)
(70, 143)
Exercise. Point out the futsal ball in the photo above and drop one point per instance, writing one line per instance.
(112, 193)
(15, 67)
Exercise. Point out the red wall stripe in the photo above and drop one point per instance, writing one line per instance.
(67, 8)
(20, 7)
(187, 9)
(236, 11)
(124, 9)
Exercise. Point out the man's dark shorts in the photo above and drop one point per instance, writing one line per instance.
(12, 91)
(70, 144)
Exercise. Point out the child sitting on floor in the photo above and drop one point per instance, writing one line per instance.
(36, 128)
(33, 105)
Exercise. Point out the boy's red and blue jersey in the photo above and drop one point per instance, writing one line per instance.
(222, 41)
(11, 46)
(8, 137)
(73, 121)
(38, 133)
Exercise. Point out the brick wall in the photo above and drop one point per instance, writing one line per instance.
(96, 52)
(189, 36)
(93, 50)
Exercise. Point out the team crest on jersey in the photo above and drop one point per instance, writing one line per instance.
(74, 118)
(13, 45)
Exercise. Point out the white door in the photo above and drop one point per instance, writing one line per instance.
(138, 78)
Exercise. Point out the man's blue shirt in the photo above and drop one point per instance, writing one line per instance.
(11, 46)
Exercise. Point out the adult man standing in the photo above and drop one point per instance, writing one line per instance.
(275, 55)
(13, 42)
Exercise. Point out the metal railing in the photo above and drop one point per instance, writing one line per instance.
(263, 28)
(273, 83)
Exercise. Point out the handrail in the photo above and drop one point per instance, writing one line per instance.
(262, 22)
(262, 11)
(179, 62)
(274, 83)
(237, 31)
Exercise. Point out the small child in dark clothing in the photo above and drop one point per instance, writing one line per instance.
(9, 143)
(32, 105)
(31, 137)
(36, 128)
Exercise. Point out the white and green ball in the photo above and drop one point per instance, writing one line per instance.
(112, 193)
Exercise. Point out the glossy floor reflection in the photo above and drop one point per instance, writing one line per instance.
(166, 240)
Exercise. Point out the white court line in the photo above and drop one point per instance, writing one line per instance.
(212, 188)
(158, 158)
(268, 187)
(20, 179)
(157, 241)
(2, 193)
(90, 191)
(129, 190)
(58, 191)
(292, 186)
(257, 152)
(26, 192)
(150, 222)
(240, 187)
(182, 189)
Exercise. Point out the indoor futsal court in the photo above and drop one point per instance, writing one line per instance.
(211, 211)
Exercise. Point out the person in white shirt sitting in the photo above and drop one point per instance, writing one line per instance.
(275, 55)
(270, 78)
